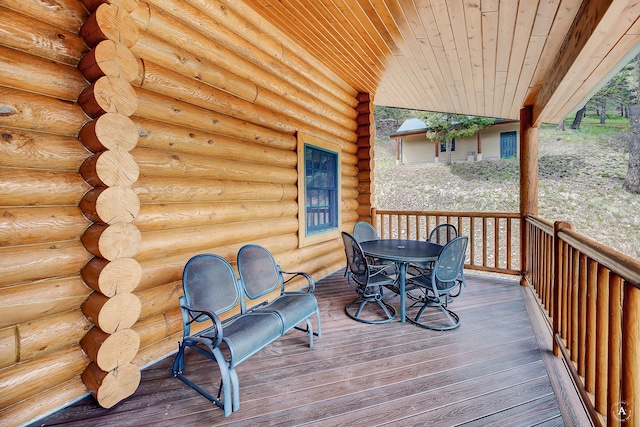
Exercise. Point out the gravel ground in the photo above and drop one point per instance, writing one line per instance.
(580, 181)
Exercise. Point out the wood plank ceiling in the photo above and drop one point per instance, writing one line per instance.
(478, 57)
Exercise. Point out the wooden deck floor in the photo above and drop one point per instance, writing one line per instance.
(490, 371)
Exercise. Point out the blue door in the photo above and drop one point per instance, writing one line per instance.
(508, 145)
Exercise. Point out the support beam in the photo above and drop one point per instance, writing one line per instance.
(528, 178)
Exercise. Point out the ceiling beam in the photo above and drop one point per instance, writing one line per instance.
(583, 27)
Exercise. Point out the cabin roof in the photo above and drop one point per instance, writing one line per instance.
(482, 58)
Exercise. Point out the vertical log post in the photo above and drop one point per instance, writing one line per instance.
(112, 205)
(528, 181)
(558, 292)
(365, 143)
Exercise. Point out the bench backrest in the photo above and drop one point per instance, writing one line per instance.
(259, 273)
(209, 283)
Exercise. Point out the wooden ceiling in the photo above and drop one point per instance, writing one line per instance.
(478, 57)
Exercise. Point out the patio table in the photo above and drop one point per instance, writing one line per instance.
(402, 252)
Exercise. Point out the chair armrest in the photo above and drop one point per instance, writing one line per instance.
(311, 285)
(190, 315)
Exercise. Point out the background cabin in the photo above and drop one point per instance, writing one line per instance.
(498, 141)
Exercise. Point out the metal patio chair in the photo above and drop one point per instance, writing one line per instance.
(435, 287)
(211, 290)
(261, 277)
(369, 284)
(363, 231)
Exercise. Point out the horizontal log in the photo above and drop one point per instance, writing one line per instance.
(183, 190)
(348, 204)
(66, 14)
(167, 28)
(20, 109)
(40, 187)
(25, 149)
(160, 271)
(157, 350)
(50, 400)
(36, 300)
(160, 299)
(36, 262)
(156, 328)
(348, 217)
(112, 314)
(169, 83)
(52, 334)
(178, 139)
(280, 114)
(110, 205)
(35, 74)
(40, 38)
(158, 163)
(110, 168)
(190, 240)
(119, 240)
(110, 131)
(196, 67)
(34, 225)
(9, 345)
(224, 16)
(164, 109)
(153, 217)
(108, 94)
(109, 351)
(110, 278)
(109, 388)
(109, 22)
(349, 182)
(30, 378)
(109, 58)
(311, 111)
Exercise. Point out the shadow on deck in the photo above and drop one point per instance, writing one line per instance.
(495, 369)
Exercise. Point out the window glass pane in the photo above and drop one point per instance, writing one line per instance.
(321, 190)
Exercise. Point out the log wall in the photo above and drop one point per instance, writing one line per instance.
(134, 135)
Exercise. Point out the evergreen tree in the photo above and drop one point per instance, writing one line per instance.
(445, 127)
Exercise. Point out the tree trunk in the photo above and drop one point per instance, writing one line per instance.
(448, 151)
(561, 126)
(578, 119)
(603, 111)
(632, 181)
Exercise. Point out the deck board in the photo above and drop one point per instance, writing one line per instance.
(489, 371)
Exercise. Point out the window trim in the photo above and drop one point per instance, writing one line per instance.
(322, 236)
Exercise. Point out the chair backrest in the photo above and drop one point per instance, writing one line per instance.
(259, 273)
(443, 234)
(356, 261)
(209, 283)
(363, 231)
(451, 261)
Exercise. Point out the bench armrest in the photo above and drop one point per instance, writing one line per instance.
(311, 285)
(213, 333)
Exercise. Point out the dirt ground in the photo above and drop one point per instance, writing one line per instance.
(580, 181)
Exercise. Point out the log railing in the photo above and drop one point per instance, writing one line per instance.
(592, 296)
(494, 237)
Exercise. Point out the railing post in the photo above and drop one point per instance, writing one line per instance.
(558, 255)
(528, 182)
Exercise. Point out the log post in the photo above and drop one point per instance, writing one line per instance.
(365, 155)
(528, 181)
(112, 204)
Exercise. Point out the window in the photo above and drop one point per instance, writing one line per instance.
(318, 190)
(443, 146)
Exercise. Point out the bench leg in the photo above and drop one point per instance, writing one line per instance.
(228, 379)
